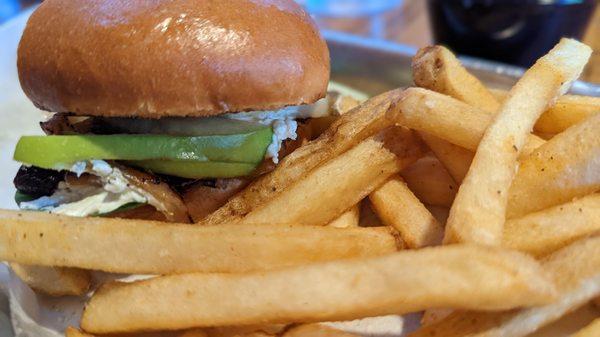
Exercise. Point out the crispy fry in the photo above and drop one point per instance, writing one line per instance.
(591, 330)
(566, 112)
(447, 118)
(147, 247)
(350, 218)
(576, 272)
(316, 330)
(329, 190)
(437, 68)
(430, 182)
(566, 167)
(456, 159)
(479, 210)
(545, 231)
(347, 131)
(399, 208)
(53, 281)
(474, 278)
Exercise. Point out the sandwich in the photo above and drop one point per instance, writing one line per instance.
(164, 109)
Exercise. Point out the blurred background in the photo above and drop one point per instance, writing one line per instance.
(509, 31)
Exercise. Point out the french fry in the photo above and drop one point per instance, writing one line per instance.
(566, 167)
(576, 273)
(147, 247)
(430, 182)
(591, 330)
(479, 210)
(350, 129)
(53, 281)
(447, 118)
(350, 218)
(316, 330)
(437, 68)
(456, 159)
(399, 208)
(548, 230)
(329, 190)
(475, 277)
(566, 112)
(542, 180)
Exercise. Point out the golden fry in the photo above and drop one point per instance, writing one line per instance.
(349, 218)
(436, 68)
(329, 190)
(350, 129)
(399, 208)
(566, 112)
(148, 247)
(576, 273)
(479, 210)
(447, 118)
(548, 230)
(53, 281)
(566, 167)
(474, 278)
(456, 159)
(430, 182)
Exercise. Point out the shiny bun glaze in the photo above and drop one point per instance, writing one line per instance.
(157, 58)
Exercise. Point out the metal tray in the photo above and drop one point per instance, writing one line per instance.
(375, 66)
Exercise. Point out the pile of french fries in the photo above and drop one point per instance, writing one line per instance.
(478, 206)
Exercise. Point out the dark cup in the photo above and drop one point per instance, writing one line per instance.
(509, 31)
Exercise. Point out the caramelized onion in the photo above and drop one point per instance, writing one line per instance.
(159, 194)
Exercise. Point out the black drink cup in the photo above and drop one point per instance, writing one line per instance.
(510, 31)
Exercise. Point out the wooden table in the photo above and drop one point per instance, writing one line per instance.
(409, 24)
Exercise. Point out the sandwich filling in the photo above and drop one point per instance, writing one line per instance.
(95, 166)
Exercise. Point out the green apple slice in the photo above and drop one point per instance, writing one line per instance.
(60, 152)
(196, 169)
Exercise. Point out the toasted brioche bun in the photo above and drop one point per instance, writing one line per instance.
(157, 58)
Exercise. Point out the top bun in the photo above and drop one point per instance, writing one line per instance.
(157, 58)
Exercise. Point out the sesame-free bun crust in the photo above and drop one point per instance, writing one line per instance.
(157, 58)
